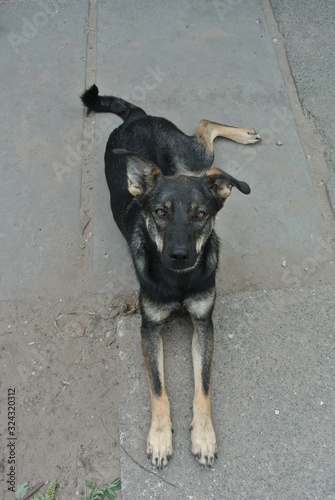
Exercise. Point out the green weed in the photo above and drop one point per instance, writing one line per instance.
(50, 493)
(107, 491)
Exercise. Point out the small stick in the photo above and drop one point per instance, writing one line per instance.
(131, 311)
(135, 461)
(64, 315)
(33, 490)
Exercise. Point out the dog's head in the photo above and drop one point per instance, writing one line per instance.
(179, 211)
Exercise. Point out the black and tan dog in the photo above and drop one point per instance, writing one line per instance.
(165, 195)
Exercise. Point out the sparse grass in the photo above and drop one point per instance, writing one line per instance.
(50, 493)
(106, 491)
(23, 490)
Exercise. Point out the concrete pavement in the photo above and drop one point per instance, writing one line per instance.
(42, 73)
(208, 53)
(272, 401)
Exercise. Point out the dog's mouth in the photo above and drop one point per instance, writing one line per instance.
(184, 270)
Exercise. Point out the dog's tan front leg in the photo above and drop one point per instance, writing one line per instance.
(203, 440)
(159, 441)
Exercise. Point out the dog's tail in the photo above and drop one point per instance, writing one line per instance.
(109, 104)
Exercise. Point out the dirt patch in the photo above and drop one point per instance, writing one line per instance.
(65, 374)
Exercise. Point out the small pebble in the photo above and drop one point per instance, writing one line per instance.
(284, 263)
(276, 412)
(279, 143)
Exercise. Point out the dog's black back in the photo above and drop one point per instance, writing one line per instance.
(175, 254)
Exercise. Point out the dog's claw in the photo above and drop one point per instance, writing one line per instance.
(248, 136)
(255, 135)
(159, 446)
(159, 462)
(204, 446)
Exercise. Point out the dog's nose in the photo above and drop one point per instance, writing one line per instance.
(179, 255)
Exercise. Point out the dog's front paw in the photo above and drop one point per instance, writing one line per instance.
(203, 441)
(159, 445)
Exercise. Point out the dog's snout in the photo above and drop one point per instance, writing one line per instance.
(179, 255)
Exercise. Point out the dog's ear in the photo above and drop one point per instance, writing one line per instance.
(222, 183)
(142, 173)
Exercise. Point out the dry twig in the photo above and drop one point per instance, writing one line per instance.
(134, 460)
(33, 490)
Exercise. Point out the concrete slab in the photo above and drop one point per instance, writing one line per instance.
(43, 72)
(192, 60)
(272, 403)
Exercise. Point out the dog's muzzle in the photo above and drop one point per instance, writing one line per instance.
(179, 258)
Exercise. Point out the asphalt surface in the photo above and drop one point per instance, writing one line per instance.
(273, 374)
(308, 30)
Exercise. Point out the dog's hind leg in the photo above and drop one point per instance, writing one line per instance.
(110, 104)
(159, 441)
(208, 131)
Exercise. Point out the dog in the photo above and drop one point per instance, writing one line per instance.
(165, 195)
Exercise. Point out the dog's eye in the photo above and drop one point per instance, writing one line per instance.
(200, 215)
(160, 212)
